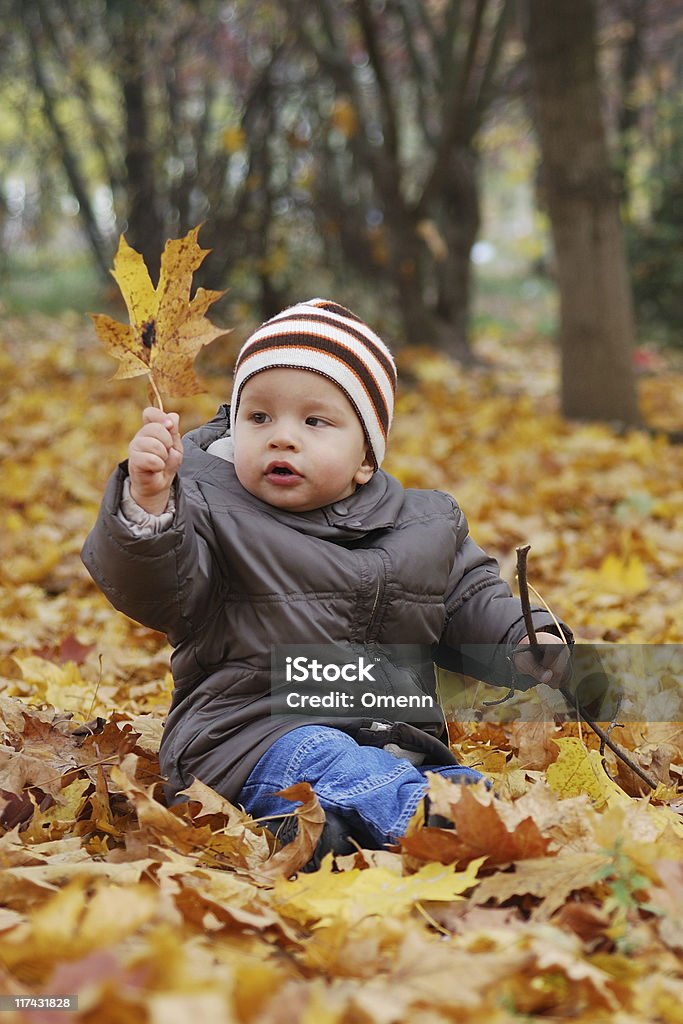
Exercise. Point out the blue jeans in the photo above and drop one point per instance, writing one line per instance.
(362, 784)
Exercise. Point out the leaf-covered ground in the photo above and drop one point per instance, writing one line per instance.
(560, 900)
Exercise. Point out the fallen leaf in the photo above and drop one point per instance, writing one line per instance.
(668, 900)
(164, 827)
(578, 770)
(480, 828)
(69, 649)
(58, 819)
(310, 819)
(623, 577)
(323, 897)
(551, 880)
(587, 920)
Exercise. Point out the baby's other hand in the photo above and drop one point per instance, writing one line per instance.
(550, 664)
(154, 457)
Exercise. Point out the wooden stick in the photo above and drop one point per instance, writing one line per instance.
(524, 595)
(571, 698)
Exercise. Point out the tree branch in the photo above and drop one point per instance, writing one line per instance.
(420, 67)
(454, 126)
(384, 172)
(99, 129)
(386, 99)
(486, 90)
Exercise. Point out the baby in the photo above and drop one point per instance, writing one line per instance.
(274, 525)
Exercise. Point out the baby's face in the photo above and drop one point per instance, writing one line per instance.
(299, 444)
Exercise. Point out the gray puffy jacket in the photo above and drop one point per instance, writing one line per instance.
(233, 576)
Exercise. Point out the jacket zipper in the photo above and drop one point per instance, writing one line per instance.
(369, 638)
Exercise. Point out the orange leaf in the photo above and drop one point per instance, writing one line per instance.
(480, 830)
(311, 821)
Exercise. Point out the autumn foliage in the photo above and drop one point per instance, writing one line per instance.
(560, 898)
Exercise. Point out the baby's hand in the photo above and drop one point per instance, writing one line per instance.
(154, 458)
(550, 664)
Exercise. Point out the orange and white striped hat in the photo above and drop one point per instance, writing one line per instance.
(328, 339)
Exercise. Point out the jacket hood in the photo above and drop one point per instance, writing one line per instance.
(374, 506)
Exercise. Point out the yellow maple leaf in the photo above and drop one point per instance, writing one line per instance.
(348, 896)
(578, 770)
(167, 328)
(620, 576)
(83, 916)
(58, 685)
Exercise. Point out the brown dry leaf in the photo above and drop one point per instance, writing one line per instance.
(569, 823)
(586, 920)
(213, 807)
(206, 807)
(161, 827)
(11, 717)
(101, 817)
(19, 771)
(43, 754)
(167, 328)
(484, 827)
(148, 727)
(216, 899)
(656, 759)
(58, 819)
(310, 819)
(69, 649)
(550, 879)
(533, 741)
(108, 746)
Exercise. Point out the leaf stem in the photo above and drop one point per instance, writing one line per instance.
(155, 389)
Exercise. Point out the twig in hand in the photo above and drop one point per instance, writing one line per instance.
(571, 698)
(524, 596)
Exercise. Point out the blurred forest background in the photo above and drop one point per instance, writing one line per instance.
(431, 163)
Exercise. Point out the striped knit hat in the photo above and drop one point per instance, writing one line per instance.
(328, 339)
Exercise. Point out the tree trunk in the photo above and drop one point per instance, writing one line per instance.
(145, 231)
(32, 27)
(460, 220)
(596, 312)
